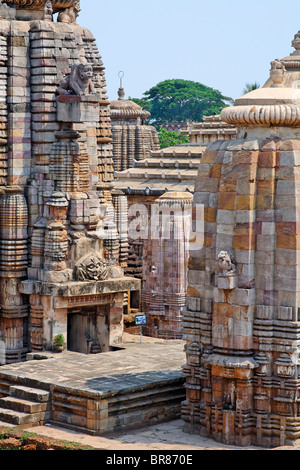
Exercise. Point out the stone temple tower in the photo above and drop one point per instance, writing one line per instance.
(133, 140)
(242, 321)
(59, 242)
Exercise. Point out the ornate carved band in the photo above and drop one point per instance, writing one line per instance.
(273, 115)
(39, 4)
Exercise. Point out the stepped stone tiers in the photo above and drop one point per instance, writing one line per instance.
(165, 266)
(242, 324)
(62, 244)
(211, 129)
(132, 139)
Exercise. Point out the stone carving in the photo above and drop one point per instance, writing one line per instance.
(48, 11)
(70, 15)
(91, 268)
(263, 115)
(277, 73)
(79, 82)
(7, 12)
(56, 246)
(226, 264)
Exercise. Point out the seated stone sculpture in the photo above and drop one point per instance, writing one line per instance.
(70, 15)
(7, 12)
(48, 11)
(79, 82)
(277, 73)
(226, 265)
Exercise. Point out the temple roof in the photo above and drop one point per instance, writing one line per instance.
(123, 110)
(170, 169)
(277, 103)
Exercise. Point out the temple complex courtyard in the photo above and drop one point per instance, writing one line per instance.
(138, 384)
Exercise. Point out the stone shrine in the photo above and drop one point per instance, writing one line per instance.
(211, 129)
(61, 235)
(133, 140)
(242, 324)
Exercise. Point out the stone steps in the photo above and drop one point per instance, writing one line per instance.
(25, 406)
(29, 393)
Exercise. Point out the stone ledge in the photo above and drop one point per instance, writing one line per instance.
(70, 289)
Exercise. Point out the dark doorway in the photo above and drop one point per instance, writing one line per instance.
(88, 330)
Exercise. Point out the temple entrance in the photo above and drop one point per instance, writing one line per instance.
(88, 330)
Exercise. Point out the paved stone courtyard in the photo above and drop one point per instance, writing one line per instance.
(132, 365)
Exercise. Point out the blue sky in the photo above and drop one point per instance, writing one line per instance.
(221, 43)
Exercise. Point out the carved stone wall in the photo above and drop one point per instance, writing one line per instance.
(56, 147)
(241, 324)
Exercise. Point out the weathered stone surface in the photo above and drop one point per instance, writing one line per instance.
(49, 152)
(248, 346)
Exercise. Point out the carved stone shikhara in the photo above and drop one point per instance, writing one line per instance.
(55, 173)
(244, 389)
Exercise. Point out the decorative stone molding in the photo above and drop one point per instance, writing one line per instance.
(39, 4)
(263, 115)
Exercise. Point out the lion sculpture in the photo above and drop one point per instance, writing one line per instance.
(226, 264)
(79, 82)
(70, 15)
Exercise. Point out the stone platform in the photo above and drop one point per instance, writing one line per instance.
(134, 386)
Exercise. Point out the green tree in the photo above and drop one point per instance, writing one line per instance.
(182, 100)
(250, 87)
(171, 138)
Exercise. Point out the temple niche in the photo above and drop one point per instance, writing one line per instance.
(61, 238)
(241, 324)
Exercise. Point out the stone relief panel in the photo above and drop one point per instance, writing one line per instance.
(91, 268)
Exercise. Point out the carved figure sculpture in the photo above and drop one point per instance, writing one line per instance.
(226, 265)
(7, 12)
(91, 268)
(48, 11)
(277, 72)
(70, 15)
(79, 82)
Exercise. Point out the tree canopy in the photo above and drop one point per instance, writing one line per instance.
(181, 101)
(250, 87)
(171, 138)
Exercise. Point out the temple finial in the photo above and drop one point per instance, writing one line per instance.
(121, 91)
